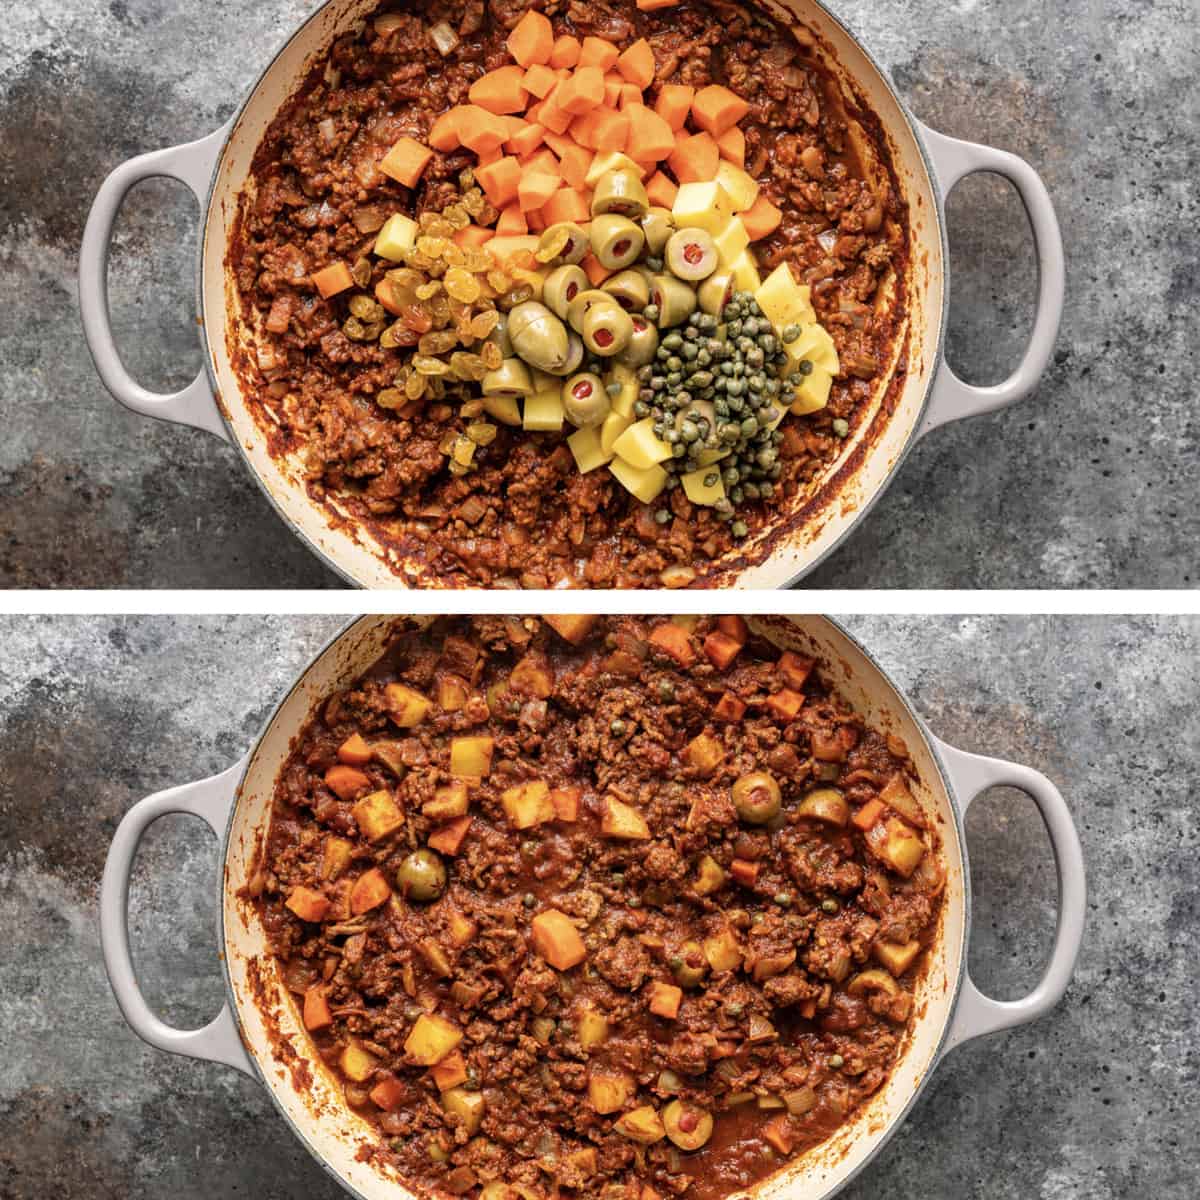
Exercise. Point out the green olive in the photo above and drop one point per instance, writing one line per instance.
(499, 335)
(575, 354)
(675, 300)
(562, 285)
(630, 289)
(422, 876)
(538, 336)
(625, 377)
(620, 192)
(643, 344)
(578, 307)
(757, 797)
(691, 254)
(570, 248)
(657, 225)
(616, 241)
(688, 1126)
(714, 293)
(510, 378)
(584, 400)
(607, 329)
(692, 965)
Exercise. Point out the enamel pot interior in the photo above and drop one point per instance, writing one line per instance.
(798, 539)
(308, 1096)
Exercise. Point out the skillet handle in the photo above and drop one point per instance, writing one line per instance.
(951, 398)
(977, 1014)
(212, 800)
(192, 164)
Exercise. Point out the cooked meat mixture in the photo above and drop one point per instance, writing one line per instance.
(617, 906)
(523, 515)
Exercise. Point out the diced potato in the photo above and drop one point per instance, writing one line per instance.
(378, 815)
(335, 857)
(602, 164)
(744, 270)
(471, 757)
(448, 802)
(571, 627)
(467, 1106)
(644, 482)
(704, 753)
(566, 803)
(356, 1063)
(813, 393)
(699, 492)
(784, 301)
(388, 1094)
(436, 957)
(898, 844)
(664, 999)
(896, 956)
(431, 1039)
(609, 1091)
(611, 429)
(794, 669)
(449, 838)
(622, 821)
(405, 706)
(872, 980)
(826, 804)
(731, 241)
(585, 446)
(533, 676)
(895, 794)
(709, 876)
(461, 928)
(744, 871)
(582, 1162)
(544, 410)
(671, 638)
(772, 414)
(557, 940)
(640, 447)
(504, 409)
(308, 904)
(785, 704)
(346, 782)
(528, 804)
(627, 377)
(450, 1072)
(396, 238)
(592, 1028)
(642, 1125)
(316, 1010)
(722, 951)
(702, 206)
(706, 458)
(390, 752)
(778, 1131)
(815, 345)
(452, 693)
(740, 187)
(370, 890)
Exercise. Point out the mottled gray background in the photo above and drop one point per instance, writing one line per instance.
(1094, 482)
(1098, 1101)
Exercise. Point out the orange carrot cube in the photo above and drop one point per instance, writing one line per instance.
(661, 190)
(721, 649)
(636, 64)
(406, 161)
(732, 145)
(308, 904)
(532, 39)
(346, 782)
(665, 999)
(785, 704)
(511, 222)
(729, 708)
(794, 669)
(354, 751)
(332, 279)
(449, 838)
(557, 940)
(596, 52)
(566, 52)
(674, 103)
(539, 80)
(715, 109)
(500, 180)
(674, 642)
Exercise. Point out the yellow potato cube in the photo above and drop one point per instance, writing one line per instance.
(609, 1091)
(622, 821)
(745, 272)
(896, 956)
(528, 804)
(612, 427)
(396, 238)
(642, 1125)
(709, 876)
(405, 706)
(731, 241)
(557, 940)
(741, 187)
(774, 414)
(471, 757)
(378, 815)
(644, 483)
(784, 301)
(815, 345)
(503, 408)
(467, 1106)
(700, 492)
(813, 393)
(722, 951)
(448, 802)
(640, 447)
(356, 1063)
(592, 1028)
(544, 410)
(704, 753)
(585, 446)
(702, 206)
(336, 857)
(627, 378)
(431, 1039)
(706, 458)
(602, 164)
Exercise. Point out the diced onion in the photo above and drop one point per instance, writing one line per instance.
(444, 38)
(388, 23)
(827, 239)
(328, 131)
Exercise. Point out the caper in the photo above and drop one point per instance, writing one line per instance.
(421, 876)
(757, 797)
(620, 192)
(691, 254)
(674, 300)
(585, 402)
(616, 241)
(657, 225)
(630, 289)
(739, 529)
(607, 329)
(562, 285)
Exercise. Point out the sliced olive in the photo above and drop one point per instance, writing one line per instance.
(607, 329)
(757, 797)
(643, 344)
(616, 241)
(658, 226)
(630, 289)
(584, 399)
(674, 299)
(565, 242)
(688, 1126)
(578, 307)
(691, 254)
(510, 378)
(575, 354)
(714, 293)
(421, 876)
(689, 965)
(499, 335)
(620, 192)
(538, 336)
(562, 285)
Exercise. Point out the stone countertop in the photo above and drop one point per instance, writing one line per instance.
(1091, 1103)
(1093, 482)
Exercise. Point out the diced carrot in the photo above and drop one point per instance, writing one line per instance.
(650, 137)
(536, 221)
(388, 1094)
(567, 204)
(695, 158)
(636, 64)
(630, 94)
(532, 39)
(386, 297)
(539, 80)
(721, 649)
(716, 109)
(511, 222)
(480, 130)
(785, 704)
(868, 814)
(499, 180)
(553, 117)
(308, 904)
(575, 161)
(527, 141)
(761, 218)
(473, 235)
(514, 124)
(674, 642)
(582, 92)
(443, 133)
(674, 103)
(596, 272)
(729, 709)
(535, 188)
(500, 91)
(405, 162)
(596, 52)
(485, 158)
(566, 803)
(584, 127)
(665, 999)
(735, 627)
(450, 1072)
(346, 782)
(794, 669)
(612, 131)
(744, 871)
(316, 1009)
(732, 145)
(612, 89)
(557, 940)
(449, 838)
(654, 5)
(543, 161)
(661, 190)
(566, 51)
(355, 750)
(332, 279)
(560, 143)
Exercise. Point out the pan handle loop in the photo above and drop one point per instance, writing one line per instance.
(212, 800)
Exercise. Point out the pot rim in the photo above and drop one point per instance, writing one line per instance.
(893, 1123)
(914, 128)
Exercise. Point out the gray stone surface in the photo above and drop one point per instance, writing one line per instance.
(1094, 482)
(1098, 1101)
